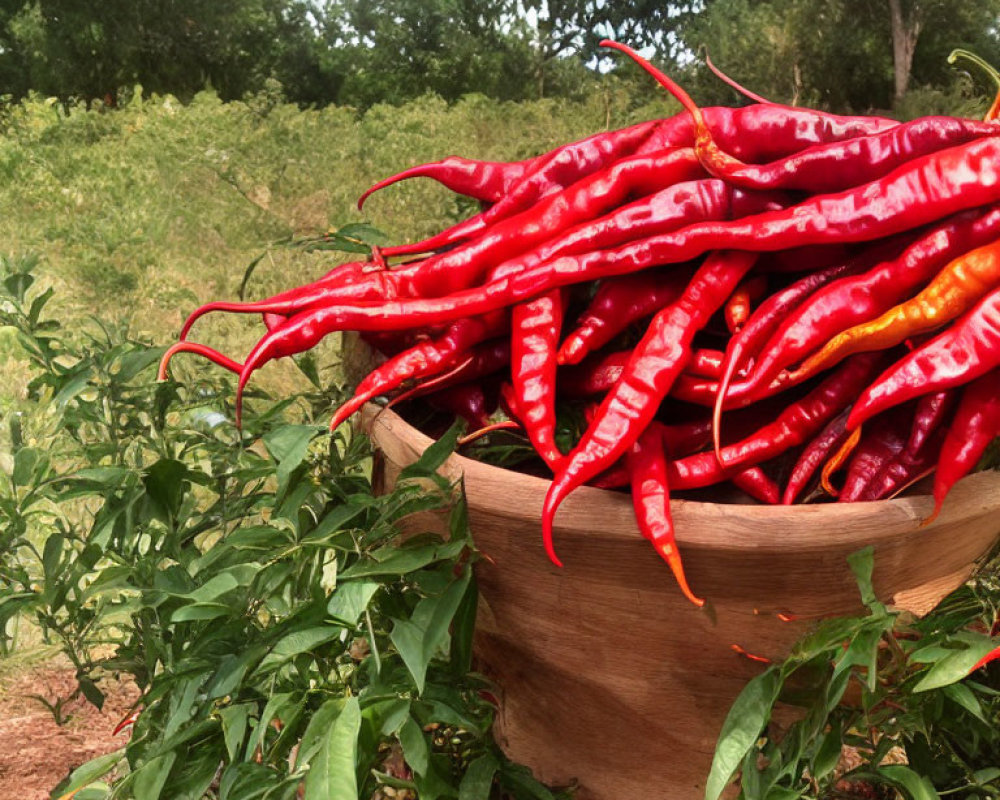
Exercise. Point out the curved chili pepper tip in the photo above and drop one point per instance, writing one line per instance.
(198, 349)
(837, 461)
(668, 552)
(552, 500)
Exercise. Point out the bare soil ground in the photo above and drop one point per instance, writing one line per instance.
(35, 752)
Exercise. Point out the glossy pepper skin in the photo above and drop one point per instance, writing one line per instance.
(975, 426)
(655, 363)
(968, 349)
(647, 468)
(424, 359)
(858, 299)
(486, 181)
(796, 424)
(535, 329)
(882, 441)
(814, 455)
(955, 289)
(617, 304)
(920, 452)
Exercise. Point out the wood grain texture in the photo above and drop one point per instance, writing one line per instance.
(610, 678)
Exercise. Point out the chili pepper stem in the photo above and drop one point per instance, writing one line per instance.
(504, 425)
(722, 76)
(986, 67)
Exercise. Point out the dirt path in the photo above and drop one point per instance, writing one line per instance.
(36, 753)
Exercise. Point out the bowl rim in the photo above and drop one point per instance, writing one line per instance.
(712, 525)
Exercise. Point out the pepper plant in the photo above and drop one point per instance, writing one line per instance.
(287, 639)
(911, 700)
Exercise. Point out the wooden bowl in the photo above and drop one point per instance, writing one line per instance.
(609, 677)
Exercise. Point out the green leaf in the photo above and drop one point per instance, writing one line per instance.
(414, 744)
(332, 774)
(523, 783)
(350, 600)
(434, 456)
(165, 483)
(27, 462)
(297, 642)
(912, 785)
(862, 564)
(987, 775)
(963, 696)
(396, 561)
(828, 754)
(235, 720)
(746, 719)
(477, 783)
(88, 772)
(80, 381)
(199, 612)
(135, 361)
(956, 665)
(148, 781)
(289, 445)
(418, 639)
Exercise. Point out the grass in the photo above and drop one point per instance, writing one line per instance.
(144, 212)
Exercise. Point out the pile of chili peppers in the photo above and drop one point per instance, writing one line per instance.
(801, 304)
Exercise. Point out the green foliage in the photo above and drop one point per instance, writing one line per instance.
(881, 684)
(282, 629)
(834, 54)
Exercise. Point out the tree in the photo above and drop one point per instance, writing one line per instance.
(846, 55)
(90, 50)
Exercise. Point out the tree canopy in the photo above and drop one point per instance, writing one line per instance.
(841, 54)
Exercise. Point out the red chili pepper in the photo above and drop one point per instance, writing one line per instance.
(651, 499)
(486, 181)
(479, 362)
(617, 304)
(796, 424)
(824, 168)
(535, 328)
(466, 400)
(764, 133)
(853, 300)
(883, 440)
(424, 359)
(774, 311)
(968, 349)
(198, 349)
(815, 455)
(655, 363)
(756, 483)
(976, 424)
(567, 165)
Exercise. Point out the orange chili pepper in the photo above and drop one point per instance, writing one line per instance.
(952, 292)
(738, 307)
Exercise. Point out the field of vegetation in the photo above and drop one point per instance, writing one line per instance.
(141, 213)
